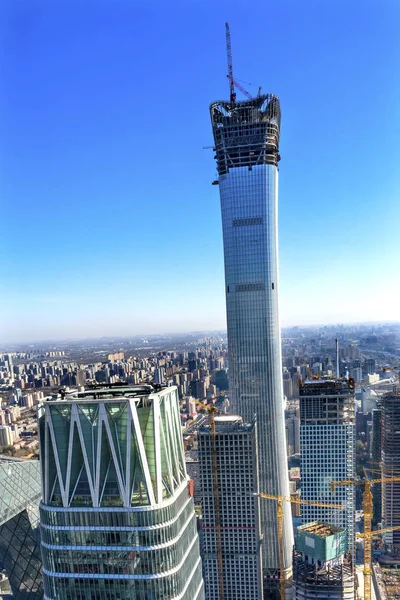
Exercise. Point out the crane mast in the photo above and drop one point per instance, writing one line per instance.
(217, 512)
(232, 82)
(232, 94)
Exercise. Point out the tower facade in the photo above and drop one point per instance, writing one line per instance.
(390, 456)
(117, 521)
(246, 139)
(327, 449)
(237, 472)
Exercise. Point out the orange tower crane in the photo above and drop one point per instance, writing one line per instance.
(280, 500)
(368, 512)
(212, 409)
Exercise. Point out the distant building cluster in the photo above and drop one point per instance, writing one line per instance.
(181, 471)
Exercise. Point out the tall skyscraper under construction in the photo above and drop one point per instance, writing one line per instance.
(246, 139)
(117, 521)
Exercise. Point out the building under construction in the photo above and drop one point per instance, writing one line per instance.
(239, 510)
(390, 440)
(246, 142)
(327, 447)
(321, 567)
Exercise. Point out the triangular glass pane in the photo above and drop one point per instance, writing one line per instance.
(76, 461)
(121, 429)
(114, 409)
(111, 493)
(82, 491)
(116, 441)
(167, 484)
(64, 410)
(87, 434)
(90, 411)
(61, 428)
(139, 489)
(149, 446)
(105, 456)
(52, 465)
(56, 493)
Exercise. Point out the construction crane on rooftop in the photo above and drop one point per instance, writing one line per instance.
(368, 512)
(213, 410)
(280, 500)
(232, 81)
(310, 373)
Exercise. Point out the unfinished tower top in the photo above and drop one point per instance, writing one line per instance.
(246, 133)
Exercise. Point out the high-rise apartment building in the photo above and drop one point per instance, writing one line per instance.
(117, 520)
(327, 448)
(6, 435)
(322, 569)
(237, 472)
(246, 139)
(390, 456)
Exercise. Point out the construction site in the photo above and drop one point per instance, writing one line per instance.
(321, 566)
(387, 583)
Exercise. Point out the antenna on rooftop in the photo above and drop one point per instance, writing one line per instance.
(337, 358)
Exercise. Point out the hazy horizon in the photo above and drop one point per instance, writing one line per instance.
(188, 332)
(110, 220)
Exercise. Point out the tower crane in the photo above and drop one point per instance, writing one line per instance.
(232, 82)
(310, 373)
(213, 410)
(280, 500)
(368, 511)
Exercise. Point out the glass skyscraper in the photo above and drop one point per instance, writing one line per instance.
(246, 139)
(327, 448)
(117, 519)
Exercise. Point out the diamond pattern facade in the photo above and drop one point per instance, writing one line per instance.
(19, 528)
(117, 521)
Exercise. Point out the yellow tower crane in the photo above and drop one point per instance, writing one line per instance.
(213, 410)
(310, 373)
(280, 500)
(368, 512)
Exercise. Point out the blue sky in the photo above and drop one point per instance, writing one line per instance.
(110, 225)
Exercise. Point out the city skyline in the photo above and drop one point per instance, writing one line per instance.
(68, 255)
(144, 334)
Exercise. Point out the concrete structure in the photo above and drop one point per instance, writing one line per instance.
(327, 444)
(322, 568)
(246, 139)
(390, 456)
(237, 465)
(117, 520)
(19, 527)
